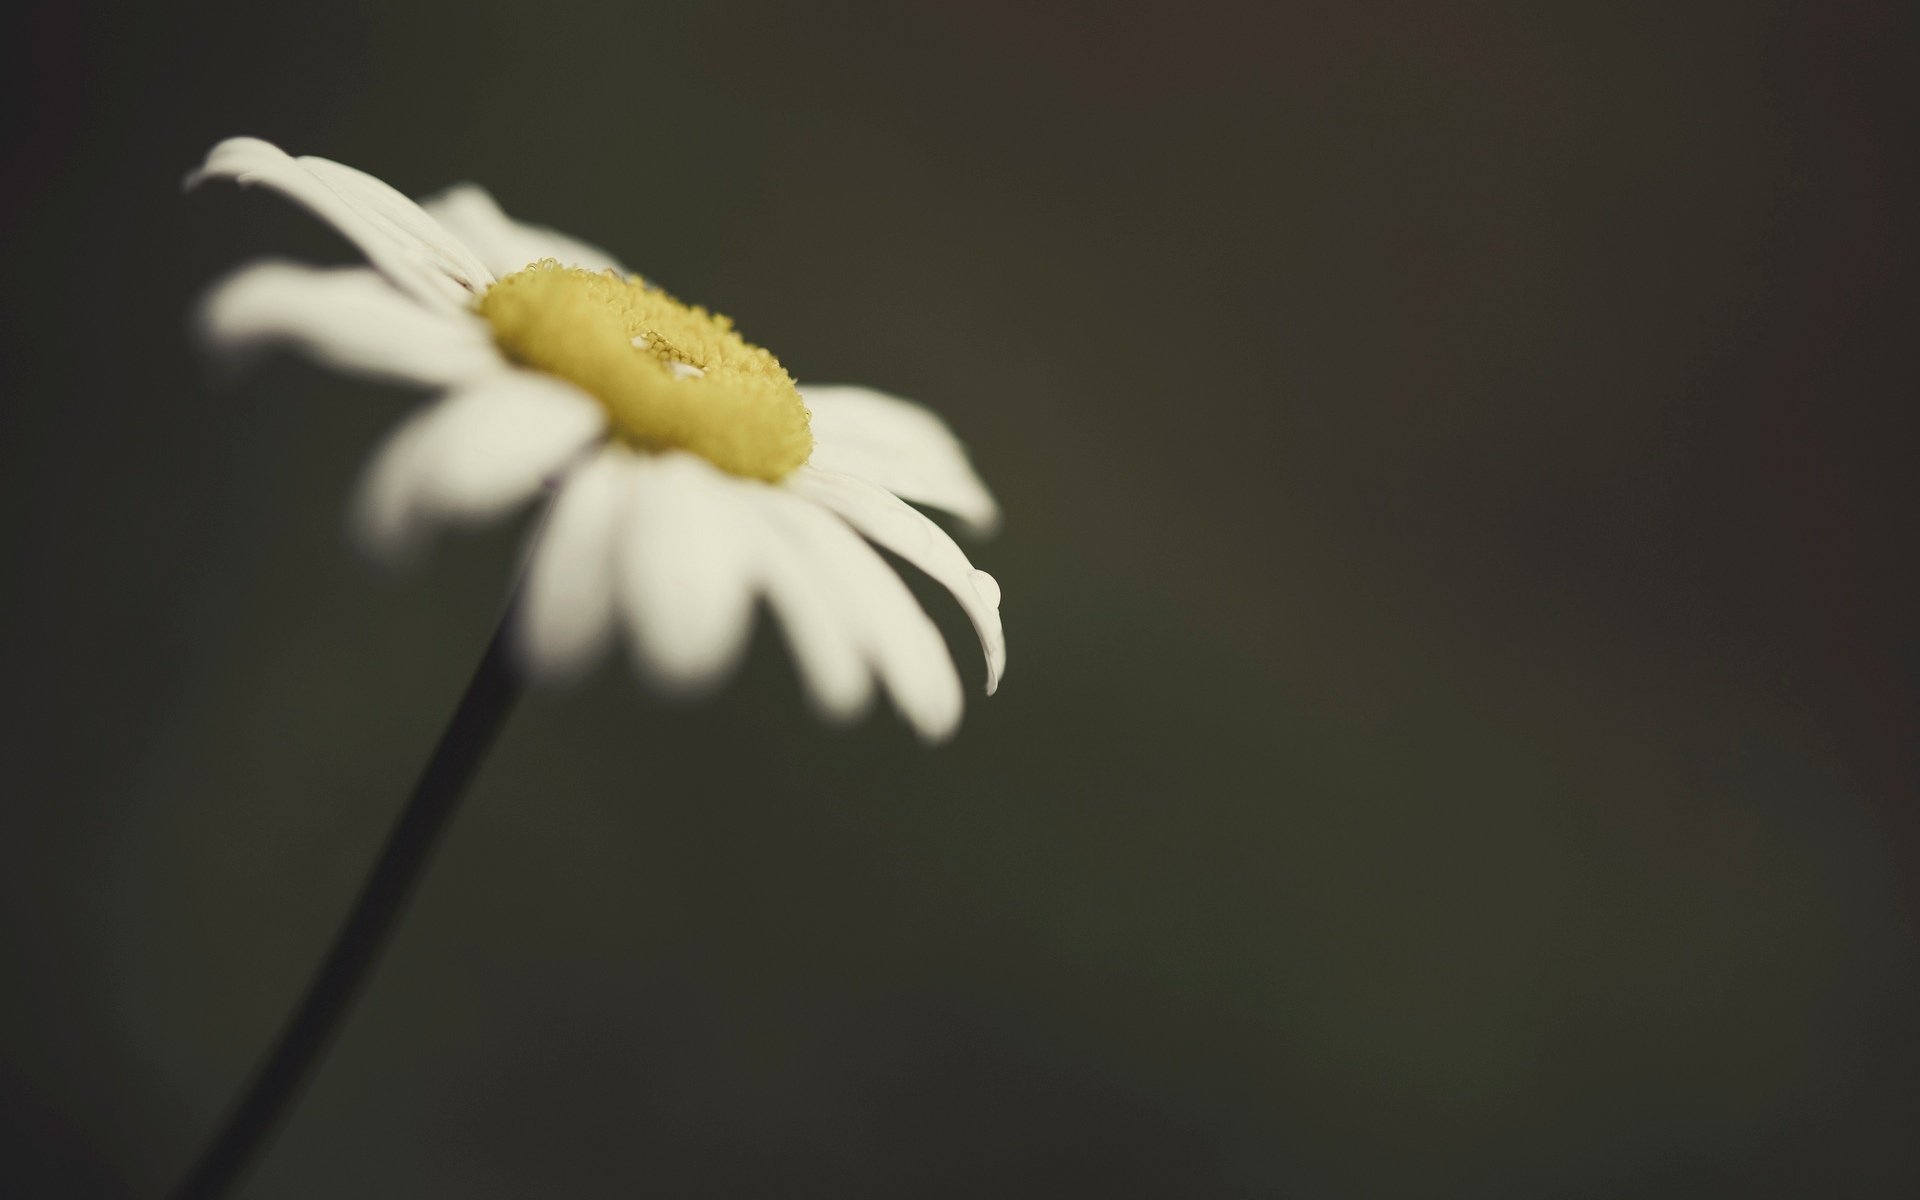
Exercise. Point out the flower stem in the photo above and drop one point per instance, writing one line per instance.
(489, 698)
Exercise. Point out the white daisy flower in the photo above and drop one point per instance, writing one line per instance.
(689, 476)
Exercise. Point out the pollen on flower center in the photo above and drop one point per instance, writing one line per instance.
(670, 375)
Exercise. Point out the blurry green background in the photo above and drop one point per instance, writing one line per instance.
(1459, 738)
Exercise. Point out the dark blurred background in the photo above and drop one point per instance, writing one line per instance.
(1460, 733)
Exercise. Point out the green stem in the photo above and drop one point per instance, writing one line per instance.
(276, 1085)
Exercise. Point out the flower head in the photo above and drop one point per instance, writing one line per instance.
(689, 475)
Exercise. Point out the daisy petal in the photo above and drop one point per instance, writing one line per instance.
(471, 455)
(566, 618)
(808, 607)
(896, 637)
(686, 571)
(506, 245)
(900, 446)
(349, 318)
(892, 523)
(404, 218)
(408, 246)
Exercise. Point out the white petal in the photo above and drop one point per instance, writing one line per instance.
(886, 519)
(807, 604)
(566, 618)
(893, 633)
(900, 446)
(404, 218)
(686, 571)
(471, 456)
(506, 245)
(349, 318)
(408, 246)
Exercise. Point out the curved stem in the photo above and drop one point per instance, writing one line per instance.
(276, 1084)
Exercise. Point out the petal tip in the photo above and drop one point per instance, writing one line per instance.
(219, 162)
(938, 730)
(684, 679)
(388, 547)
(546, 660)
(982, 515)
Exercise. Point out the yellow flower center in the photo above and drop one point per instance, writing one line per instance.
(670, 376)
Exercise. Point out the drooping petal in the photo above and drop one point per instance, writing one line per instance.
(349, 318)
(471, 456)
(806, 603)
(895, 638)
(506, 245)
(566, 618)
(409, 247)
(686, 571)
(900, 446)
(892, 523)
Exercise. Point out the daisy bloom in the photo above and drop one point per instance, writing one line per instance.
(688, 475)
